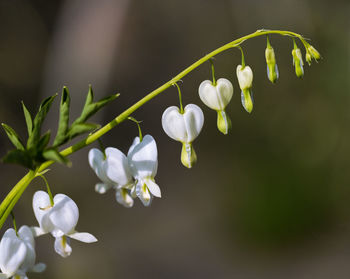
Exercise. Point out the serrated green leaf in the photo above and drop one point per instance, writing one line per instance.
(63, 123)
(54, 155)
(20, 157)
(90, 108)
(81, 128)
(13, 136)
(28, 118)
(44, 140)
(38, 121)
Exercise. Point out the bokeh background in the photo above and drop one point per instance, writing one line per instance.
(270, 200)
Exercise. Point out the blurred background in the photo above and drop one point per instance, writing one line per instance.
(270, 200)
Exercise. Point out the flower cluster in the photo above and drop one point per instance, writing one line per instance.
(58, 216)
(131, 176)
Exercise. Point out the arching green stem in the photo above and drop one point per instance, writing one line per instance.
(138, 126)
(180, 97)
(243, 61)
(11, 199)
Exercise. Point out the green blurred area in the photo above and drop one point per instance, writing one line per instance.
(270, 200)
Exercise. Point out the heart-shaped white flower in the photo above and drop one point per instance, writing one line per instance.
(184, 127)
(217, 98)
(143, 160)
(114, 171)
(58, 219)
(17, 254)
(245, 80)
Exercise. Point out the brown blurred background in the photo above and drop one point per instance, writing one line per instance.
(270, 200)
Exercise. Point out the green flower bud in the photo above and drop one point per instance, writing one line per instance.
(308, 58)
(188, 155)
(272, 69)
(314, 53)
(223, 122)
(298, 62)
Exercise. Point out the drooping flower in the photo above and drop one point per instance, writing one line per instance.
(272, 69)
(17, 254)
(217, 98)
(114, 171)
(311, 53)
(298, 62)
(143, 160)
(59, 219)
(184, 127)
(245, 80)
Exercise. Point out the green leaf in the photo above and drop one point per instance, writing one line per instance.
(81, 128)
(20, 157)
(38, 121)
(90, 108)
(44, 140)
(63, 123)
(28, 118)
(54, 155)
(13, 136)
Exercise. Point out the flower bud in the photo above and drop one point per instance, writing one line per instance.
(308, 58)
(314, 53)
(223, 122)
(245, 80)
(272, 69)
(298, 62)
(188, 155)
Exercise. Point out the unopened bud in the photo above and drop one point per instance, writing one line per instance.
(298, 62)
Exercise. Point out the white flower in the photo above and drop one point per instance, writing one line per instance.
(59, 220)
(143, 160)
(114, 171)
(17, 254)
(245, 80)
(184, 127)
(217, 98)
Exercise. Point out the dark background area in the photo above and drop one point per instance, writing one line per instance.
(270, 200)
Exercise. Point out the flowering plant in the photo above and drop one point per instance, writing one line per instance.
(132, 175)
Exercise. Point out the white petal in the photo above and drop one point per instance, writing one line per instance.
(143, 157)
(102, 188)
(117, 167)
(62, 246)
(143, 194)
(245, 77)
(37, 231)
(225, 91)
(41, 207)
(12, 252)
(98, 164)
(29, 260)
(40, 267)
(173, 124)
(83, 237)
(124, 198)
(64, 214)
(26, 234)
(216, 97)
(153, 187)
(194, 120)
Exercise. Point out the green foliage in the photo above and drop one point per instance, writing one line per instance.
(36, 151)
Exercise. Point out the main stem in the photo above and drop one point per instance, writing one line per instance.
(13, 196)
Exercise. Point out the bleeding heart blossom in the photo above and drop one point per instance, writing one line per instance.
(143, 160)
(184, 127)
(59, 219)
(217, 98)
(114, 171)
(17, 254)
(245, 80)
